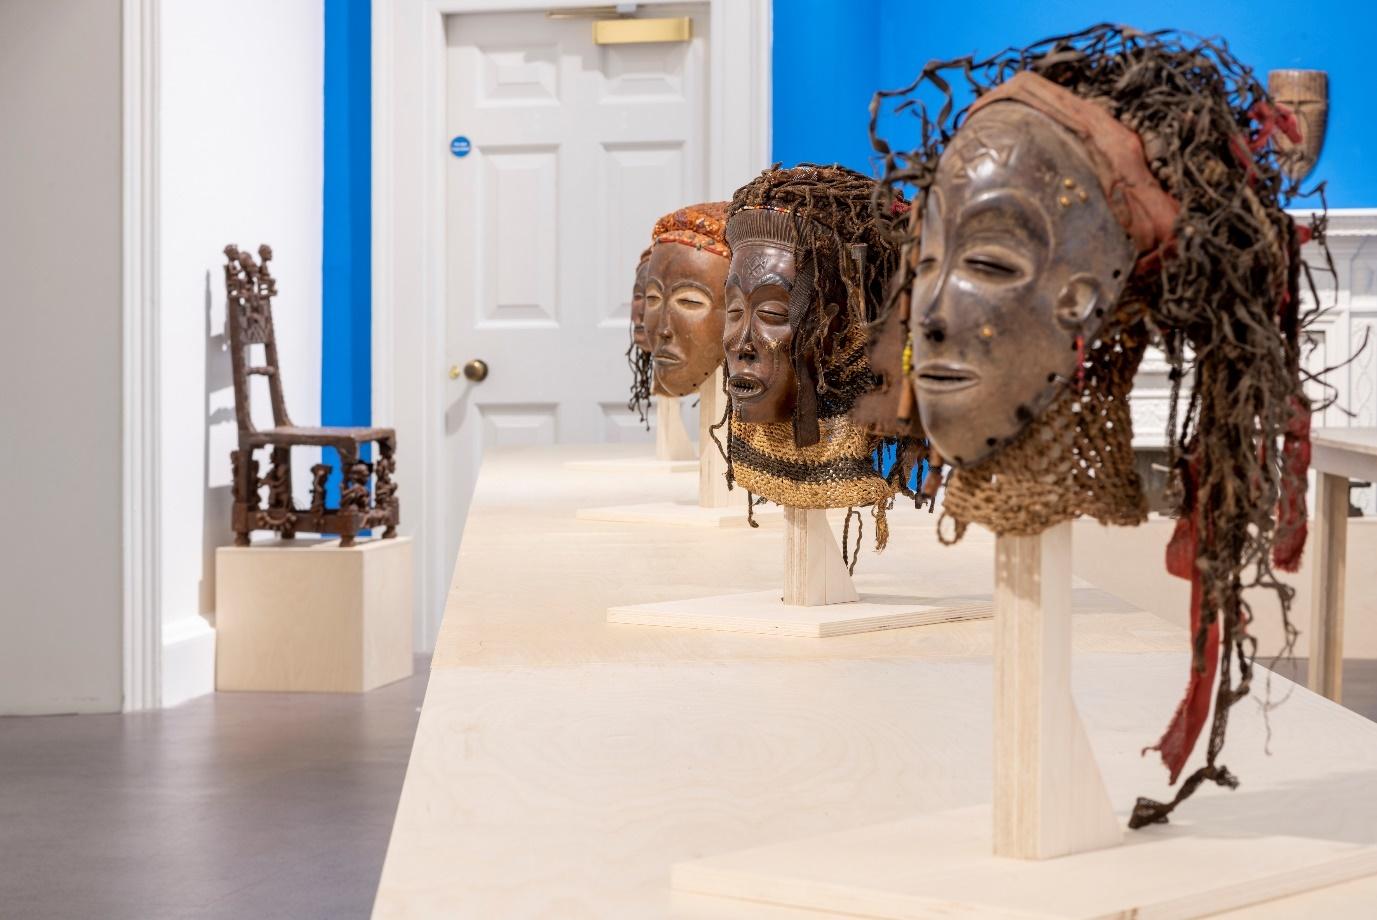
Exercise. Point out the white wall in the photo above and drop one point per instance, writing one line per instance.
(60, 232)
(241, 162)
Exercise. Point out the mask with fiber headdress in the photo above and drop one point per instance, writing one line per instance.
(810, 260)
(1105, 191)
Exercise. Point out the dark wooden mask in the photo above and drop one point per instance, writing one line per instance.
(1021, 261)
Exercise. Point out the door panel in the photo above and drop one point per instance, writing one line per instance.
(575, 150)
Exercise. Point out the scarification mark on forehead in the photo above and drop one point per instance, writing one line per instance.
(977, 144)
(757, 267)
(986, 144)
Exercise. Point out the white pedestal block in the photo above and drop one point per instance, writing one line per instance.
(941, 866)
(295, 615)
(766, 612)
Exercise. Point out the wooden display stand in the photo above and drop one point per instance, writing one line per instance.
(717, 506)
(818, 598)
(674, 452)
(1339, 456)
(1049, 801)
(293, 615)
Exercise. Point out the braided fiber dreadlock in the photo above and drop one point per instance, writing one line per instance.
(1223, 303)
(845, 254)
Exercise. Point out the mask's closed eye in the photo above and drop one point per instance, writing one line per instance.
(996, 264)
(773, 313)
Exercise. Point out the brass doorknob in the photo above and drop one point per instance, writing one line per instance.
(475, 370)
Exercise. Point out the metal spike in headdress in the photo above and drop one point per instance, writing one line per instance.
(1221, 297)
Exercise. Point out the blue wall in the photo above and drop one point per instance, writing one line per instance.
(830, 55)
(346, 288)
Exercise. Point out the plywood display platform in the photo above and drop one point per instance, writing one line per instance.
(563, 765)
(310, 615)
(680, 514)
(765, 612)
(635, 466)
(939, 866)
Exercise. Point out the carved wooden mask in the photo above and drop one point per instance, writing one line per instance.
(638, 333)
(759, 332)
(1021, 261)
(684, 315)
(1306, 94)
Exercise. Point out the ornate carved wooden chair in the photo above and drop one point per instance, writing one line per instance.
(250, 288)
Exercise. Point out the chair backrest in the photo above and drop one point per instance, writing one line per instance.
(249, 290)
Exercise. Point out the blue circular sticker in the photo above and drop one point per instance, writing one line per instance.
(460, 146)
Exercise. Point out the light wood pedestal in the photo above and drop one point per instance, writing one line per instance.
(1051, 845)
(1338, 456)
(299, 615)
(941, 866)
(818, 599)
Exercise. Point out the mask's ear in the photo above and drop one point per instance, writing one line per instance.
(1081, 301)
(806, 432)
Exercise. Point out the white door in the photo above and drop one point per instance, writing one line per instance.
(574, 150)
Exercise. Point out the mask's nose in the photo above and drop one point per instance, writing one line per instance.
(932, 308)
(933, 327)
(741, 345)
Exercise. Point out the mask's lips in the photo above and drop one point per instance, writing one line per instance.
(745, 387)
(944, 377)
(666, 358)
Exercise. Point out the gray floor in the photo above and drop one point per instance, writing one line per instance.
(234, 805)
(231, 806)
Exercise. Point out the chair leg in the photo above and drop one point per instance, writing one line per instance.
(384, 489)
(245, 488)
(349, 498)
(279, 483)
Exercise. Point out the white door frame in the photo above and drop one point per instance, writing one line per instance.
(139, 453)
(409, 151)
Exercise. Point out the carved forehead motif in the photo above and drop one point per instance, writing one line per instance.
(987, 144)
(757, 267)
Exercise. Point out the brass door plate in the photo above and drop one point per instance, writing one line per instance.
(642, 31)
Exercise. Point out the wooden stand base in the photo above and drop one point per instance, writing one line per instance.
(765, 612)
(1050, 846)
(941, 866)
(293, 615)
(817, 600)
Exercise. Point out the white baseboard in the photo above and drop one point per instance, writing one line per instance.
(188, 660)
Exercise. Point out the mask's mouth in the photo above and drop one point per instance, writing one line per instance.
(744, 387)
(944, 377)
(666, 358)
